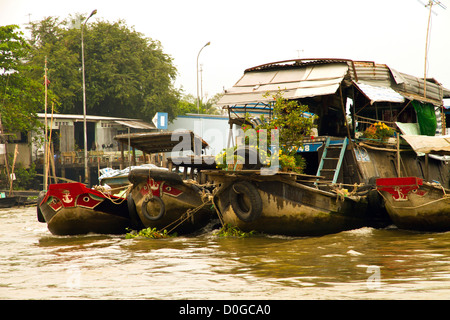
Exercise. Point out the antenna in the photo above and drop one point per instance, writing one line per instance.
(429, 4)
(439, 3)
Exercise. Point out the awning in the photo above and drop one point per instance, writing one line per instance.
(298, 82)
(426, 144)
(156, 142)
(409, 128)
(379, 94)
(136, 124)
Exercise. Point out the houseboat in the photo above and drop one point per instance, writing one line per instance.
(363, 110)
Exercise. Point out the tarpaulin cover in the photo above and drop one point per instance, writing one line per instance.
(426, 118)
(423, 144)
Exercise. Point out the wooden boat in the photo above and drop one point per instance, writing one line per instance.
(10, 201)
(163, 200)
(280, 204)
(382, 104)
(160, 198)
(416, 205)
(72, 208)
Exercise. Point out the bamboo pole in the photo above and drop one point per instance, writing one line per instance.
(426, 52)
(50, 154)
(399, 171)
(52, 162)
(350, 141)
(45, 131)
(11, 176)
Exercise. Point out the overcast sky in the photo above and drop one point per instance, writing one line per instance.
(246, 33)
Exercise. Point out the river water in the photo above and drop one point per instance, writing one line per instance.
(365, 263)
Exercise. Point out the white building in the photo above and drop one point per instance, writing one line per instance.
(212, 128)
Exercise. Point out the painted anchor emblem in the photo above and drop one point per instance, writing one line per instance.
(67, 198)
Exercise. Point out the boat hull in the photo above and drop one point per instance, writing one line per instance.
(162, 200)
(413, 205)
(9, 202)
(295, 209)
(72, 209)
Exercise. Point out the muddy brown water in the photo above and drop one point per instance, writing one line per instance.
(364, 263)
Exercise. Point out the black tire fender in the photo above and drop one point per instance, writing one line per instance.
(238, 191)
(162, 209)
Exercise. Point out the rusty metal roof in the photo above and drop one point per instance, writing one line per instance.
(301, 78)
(308, 80)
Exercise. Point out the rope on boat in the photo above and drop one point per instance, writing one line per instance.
(343, 193)
(107, 193)
(437, 184)
(445, 197)
(216, 207)
(188, 214)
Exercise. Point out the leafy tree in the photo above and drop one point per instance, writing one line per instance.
(20, 96)
(127, 74)
(188, 104)
(293, 120)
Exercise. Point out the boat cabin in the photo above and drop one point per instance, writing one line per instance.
(363, 109)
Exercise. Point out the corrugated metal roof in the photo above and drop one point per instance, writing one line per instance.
(314, 77)
(298, 82)
(379, 94)
(132, 123)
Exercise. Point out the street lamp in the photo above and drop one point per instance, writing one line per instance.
(86, 169)
(198, 98)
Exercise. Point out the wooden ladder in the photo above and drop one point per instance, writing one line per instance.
(330, 165)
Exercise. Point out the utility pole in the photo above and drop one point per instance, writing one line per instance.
(86, 168)
(429, 4)
(198, 97)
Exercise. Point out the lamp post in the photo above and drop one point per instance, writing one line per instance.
(198, 97)
(86, 169)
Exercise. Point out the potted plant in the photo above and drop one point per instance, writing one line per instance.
(292, 121)
(378, 131)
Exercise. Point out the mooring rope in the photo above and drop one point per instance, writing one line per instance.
(445, 197)
(188, 214)
(106, 193)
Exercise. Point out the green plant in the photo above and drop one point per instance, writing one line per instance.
(378, 130)
(228, 231)
(294, 122)
(227, 157)
(286, 160)
(291, 122)
(292, 119)
(26, 179)
(151, 233)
